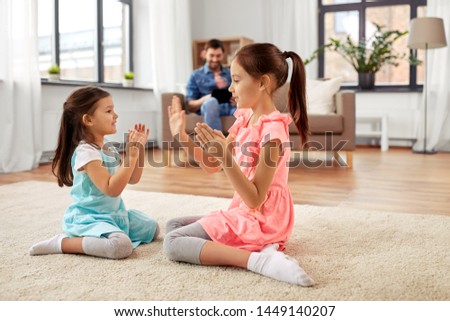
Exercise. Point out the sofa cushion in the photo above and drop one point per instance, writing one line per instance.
(191, 120)
(320, 93)
(320, 124)
(227, 122)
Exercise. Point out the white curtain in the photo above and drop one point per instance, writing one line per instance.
(164, 40)
(438, 88)
(292, 25)
(20, 87)
(171, 43)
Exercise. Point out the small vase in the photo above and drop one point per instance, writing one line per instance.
(53, 77)
(366, 80)
(127, 82)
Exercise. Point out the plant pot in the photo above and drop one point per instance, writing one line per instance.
(53, 77)
(127, 82)
(366, 80)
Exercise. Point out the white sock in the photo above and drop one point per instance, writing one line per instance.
(49, 246)
(278, 266)
(270, 248)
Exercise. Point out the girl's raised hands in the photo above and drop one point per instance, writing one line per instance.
(139, 134)
(137, 138)
(177, 117)
(212, 141)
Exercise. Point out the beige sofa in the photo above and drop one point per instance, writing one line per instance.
(332, 133)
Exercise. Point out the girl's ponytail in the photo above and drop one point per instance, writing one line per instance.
(297, 95)
(61, 165)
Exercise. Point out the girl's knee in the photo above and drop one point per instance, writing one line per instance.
(172, 224)
(121, 246)
(169, 247)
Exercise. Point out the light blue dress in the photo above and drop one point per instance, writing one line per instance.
(95, 214)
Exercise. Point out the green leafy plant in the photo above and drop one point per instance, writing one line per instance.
(369, 55)
(54, 70)
(128, 75)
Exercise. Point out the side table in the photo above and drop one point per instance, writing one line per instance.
(379, 127)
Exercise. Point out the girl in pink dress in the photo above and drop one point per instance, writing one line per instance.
(252, 232)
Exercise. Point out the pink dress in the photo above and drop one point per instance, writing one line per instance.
(272, 222)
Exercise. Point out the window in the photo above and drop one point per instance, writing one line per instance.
(339, 18)
(90, 40)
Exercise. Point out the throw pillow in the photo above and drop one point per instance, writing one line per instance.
(319, 94)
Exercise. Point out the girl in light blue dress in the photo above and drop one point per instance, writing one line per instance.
(97, 222)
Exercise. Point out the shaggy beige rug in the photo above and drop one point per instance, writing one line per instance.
(352, 254)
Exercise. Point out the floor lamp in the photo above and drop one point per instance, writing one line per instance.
(426, 33)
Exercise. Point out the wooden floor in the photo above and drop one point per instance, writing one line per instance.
(397, 181)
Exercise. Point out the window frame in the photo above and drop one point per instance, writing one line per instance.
(361, 8)
(99, 47)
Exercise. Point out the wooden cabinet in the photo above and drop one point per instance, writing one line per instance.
(231, 46)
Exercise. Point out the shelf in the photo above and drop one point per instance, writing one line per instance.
(379, 122)
(369, 134)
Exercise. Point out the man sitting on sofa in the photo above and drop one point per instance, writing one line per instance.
(207, 88)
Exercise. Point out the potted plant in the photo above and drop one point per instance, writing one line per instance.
(128, 79)
(369, 55)
(53, 72)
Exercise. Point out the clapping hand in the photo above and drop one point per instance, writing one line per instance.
(137, 137)
(177, 117)
(212, 141)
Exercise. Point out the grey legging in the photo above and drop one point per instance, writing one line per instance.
(184, 239)
(116, 245)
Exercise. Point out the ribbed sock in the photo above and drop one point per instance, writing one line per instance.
(49, 246)
(278, 266)
(116, 246)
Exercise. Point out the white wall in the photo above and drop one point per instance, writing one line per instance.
(401, 108)
(131, 105)
(223, 19)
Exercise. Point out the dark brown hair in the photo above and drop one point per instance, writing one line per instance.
(260, 59)
(72, 130)
(214, 44)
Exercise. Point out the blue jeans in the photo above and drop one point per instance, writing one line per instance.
(211, 111)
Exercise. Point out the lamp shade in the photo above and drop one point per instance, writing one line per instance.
(427, 33)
